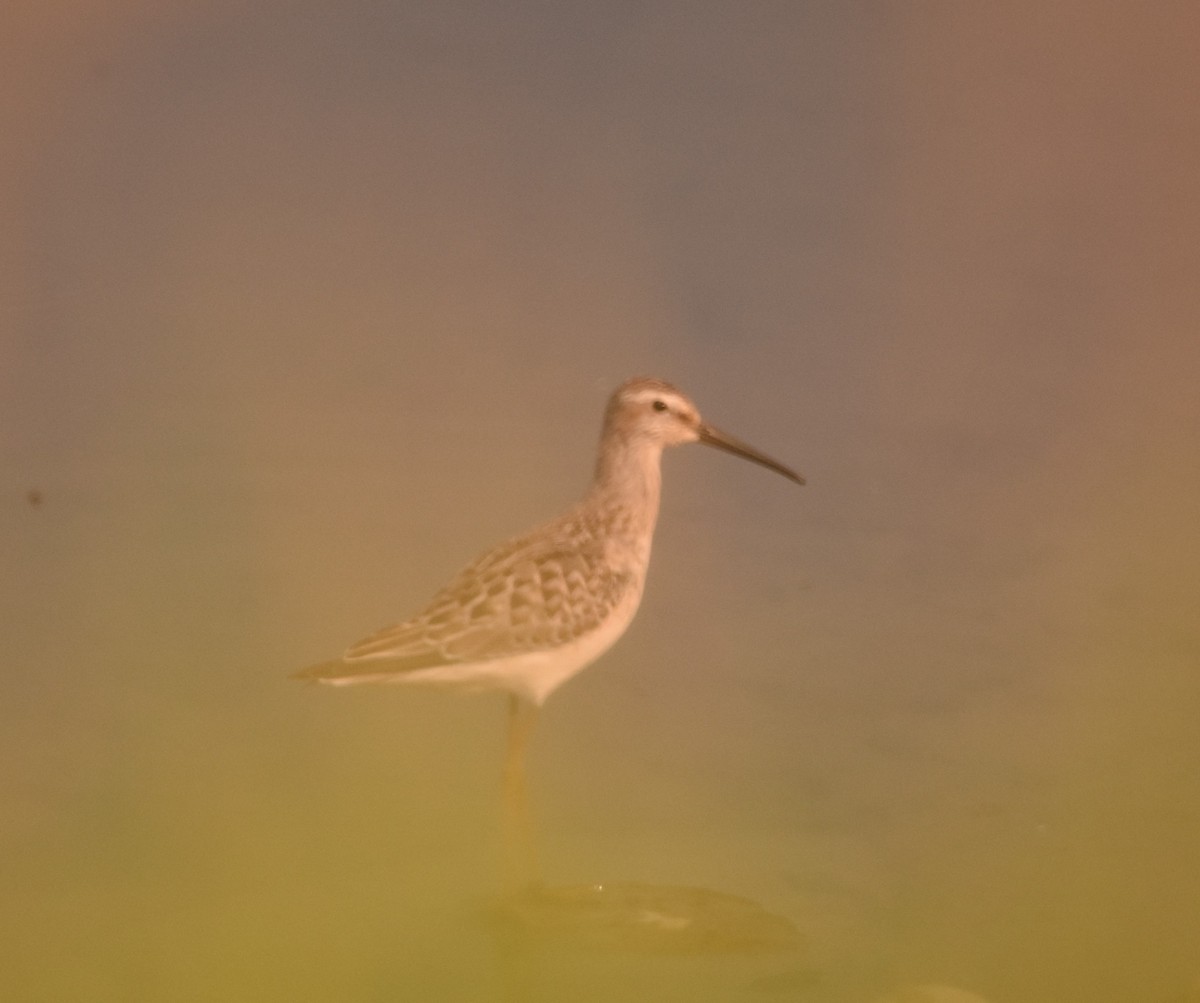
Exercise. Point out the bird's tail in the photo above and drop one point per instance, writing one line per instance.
(342, 673)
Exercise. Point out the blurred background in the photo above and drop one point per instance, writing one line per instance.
(304, 305)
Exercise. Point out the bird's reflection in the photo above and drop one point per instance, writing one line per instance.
(640, 918)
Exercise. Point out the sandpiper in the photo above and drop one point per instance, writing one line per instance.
(534, 611)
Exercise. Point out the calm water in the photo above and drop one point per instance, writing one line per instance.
(930, 772)
(306, 313)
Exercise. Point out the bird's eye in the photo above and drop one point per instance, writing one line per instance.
(659, 405)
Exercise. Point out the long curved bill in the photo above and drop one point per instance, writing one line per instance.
(715, 437)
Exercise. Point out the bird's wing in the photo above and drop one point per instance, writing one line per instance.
(532, 594)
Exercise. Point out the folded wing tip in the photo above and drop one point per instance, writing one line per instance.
(325, 672)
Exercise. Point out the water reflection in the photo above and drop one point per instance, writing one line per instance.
(634, 917)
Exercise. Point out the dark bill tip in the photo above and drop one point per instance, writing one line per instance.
(719, 440)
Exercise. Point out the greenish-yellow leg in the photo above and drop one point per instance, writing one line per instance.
(519, 849)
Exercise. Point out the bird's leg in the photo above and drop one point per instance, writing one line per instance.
(518, 827)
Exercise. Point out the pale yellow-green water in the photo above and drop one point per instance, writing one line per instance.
(304, 307)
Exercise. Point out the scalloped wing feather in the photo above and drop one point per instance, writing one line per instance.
(533, 593)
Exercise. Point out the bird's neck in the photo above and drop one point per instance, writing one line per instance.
(629, 479)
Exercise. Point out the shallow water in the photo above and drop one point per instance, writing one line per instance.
(303, 314)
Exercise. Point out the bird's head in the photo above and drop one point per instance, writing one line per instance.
(652, 412)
